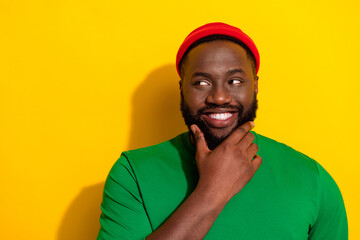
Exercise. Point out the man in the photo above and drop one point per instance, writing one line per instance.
(219, 180)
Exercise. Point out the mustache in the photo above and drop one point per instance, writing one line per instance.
(208, 107)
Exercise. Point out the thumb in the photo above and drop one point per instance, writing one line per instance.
(201, 145)
(256, 162)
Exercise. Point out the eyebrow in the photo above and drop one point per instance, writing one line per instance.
(208, 75)
(237, 70)
(201, 74)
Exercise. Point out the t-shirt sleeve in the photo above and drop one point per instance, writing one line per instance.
(123, 213)
(331, 223)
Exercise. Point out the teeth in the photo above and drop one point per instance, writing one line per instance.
(220, 116)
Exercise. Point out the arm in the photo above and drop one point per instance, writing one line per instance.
(331, 223)
(223, 172)
(123, 214)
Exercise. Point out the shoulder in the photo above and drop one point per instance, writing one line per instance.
(140, 162)
(159, 148)
(298, 164)
(166, 148)
(276, 146)
(285, 155)
(165, 155)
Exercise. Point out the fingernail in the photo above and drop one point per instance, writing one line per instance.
(193, 129)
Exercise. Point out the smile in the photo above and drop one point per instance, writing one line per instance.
(220, 116)
(220, 119)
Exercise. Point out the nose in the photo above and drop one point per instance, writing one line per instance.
(218, 96)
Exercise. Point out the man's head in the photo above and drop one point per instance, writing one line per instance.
(218, 83)
(211, 38)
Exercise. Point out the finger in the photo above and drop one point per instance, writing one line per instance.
(256, 162)
(240, 132)
(253, 149)
(247, 139)
(201, 145)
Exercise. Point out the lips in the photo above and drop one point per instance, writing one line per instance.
(220, 119)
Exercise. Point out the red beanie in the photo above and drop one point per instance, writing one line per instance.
(217, 28)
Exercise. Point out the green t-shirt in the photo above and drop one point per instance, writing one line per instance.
(290, 196)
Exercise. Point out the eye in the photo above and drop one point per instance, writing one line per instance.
(236, 81)
(201, 83)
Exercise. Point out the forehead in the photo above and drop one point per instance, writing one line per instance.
(216, 57)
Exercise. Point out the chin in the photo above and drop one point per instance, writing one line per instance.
(221, 133)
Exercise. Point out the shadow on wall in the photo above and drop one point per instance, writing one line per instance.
(81, 220)
(155, 118)
(156, 115)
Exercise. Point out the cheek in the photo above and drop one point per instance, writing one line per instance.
(244, 97)
(194, 99)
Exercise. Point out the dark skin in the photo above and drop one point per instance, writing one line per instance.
(216, 73)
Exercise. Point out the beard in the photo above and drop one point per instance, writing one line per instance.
(211, 139)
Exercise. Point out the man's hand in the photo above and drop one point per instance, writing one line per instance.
(224, 171)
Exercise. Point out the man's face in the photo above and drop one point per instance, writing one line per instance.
(218, 89)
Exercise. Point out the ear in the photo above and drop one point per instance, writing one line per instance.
(180, 84)
(256, 80)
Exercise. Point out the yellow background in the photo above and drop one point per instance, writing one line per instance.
(81, 81)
